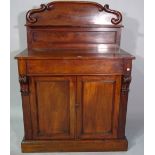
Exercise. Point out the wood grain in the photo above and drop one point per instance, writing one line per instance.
(73, 13)
(98, 98)
(73, 25)
(74, 146)
(74, 79)
(74, 67)
(53, 105)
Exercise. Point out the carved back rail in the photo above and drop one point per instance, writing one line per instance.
(62, 24)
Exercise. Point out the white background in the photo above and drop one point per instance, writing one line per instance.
(132, 41)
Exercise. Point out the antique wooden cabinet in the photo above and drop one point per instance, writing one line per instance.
(74, 79)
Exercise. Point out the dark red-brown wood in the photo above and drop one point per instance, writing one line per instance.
(98, 99)
(72, 25)
(74, 79)
(61, 13)
(53, 105)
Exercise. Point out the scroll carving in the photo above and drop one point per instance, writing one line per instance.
(29, 14)
(31, 19)
(114, 21)
(125, 84)
(24, 88)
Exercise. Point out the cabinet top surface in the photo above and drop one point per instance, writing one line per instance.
(75, 54)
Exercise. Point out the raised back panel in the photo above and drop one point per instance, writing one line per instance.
(63, 24)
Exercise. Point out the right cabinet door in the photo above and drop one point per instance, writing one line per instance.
(98, 99)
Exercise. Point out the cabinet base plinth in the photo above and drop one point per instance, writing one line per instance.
(74, 146)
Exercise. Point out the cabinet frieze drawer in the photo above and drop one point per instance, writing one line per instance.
(74, 67)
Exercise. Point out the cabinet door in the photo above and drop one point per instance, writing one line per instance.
(52, 107)
(98, 106)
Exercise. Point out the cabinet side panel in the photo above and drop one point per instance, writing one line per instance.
(24, 88)
(126, 79)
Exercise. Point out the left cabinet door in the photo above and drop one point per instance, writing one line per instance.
(52, 101)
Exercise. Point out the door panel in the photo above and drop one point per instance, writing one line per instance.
(98, 100)
(52, 104)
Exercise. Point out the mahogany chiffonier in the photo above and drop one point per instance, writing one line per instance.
(74, 79)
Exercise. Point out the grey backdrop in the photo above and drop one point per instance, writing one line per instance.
(132, 41)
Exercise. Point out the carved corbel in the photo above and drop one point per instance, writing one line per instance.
(24, 85)
(125, 84)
